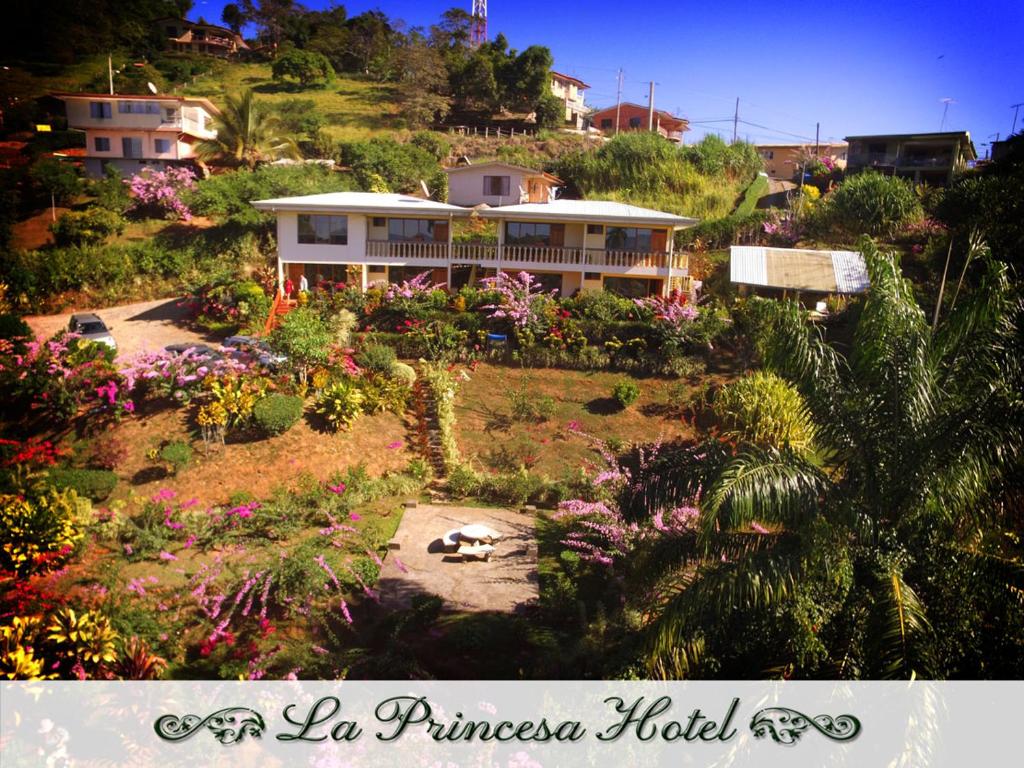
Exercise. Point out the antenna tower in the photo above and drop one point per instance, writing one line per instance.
(479, 29)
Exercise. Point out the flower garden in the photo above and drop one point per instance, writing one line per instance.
(193, 516)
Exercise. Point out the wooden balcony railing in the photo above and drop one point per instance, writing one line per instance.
(389, 249)
(540, 256)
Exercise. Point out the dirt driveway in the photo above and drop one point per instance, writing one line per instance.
(148, 325)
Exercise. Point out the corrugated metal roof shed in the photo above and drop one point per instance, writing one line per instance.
(798, 269)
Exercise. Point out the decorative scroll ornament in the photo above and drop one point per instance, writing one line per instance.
(785, 726)
(229, 725)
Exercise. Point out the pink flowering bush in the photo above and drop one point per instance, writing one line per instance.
(161, 191)
(521, 301)
(61, 376)
(411, 289)
(177, 377)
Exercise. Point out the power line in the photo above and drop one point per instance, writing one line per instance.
(775, 130)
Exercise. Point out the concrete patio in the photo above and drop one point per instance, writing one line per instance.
(505, 583)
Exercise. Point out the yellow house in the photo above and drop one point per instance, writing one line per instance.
(570, 90)
(782, 161)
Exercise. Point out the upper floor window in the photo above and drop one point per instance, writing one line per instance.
(415, 230)
(628, 239)
(595, 229)
(332, 230)
(634, 122)
(101, 144)
(138, 107)
(496, 185)
(527, 233)
(99, 109)
(162, 145)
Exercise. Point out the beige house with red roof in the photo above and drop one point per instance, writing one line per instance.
(132, 131)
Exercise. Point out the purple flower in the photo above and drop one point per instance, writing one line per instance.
(167, 556)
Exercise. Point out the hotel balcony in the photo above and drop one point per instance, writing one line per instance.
(514, 257)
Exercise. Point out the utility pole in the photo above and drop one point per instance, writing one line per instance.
(817, 135)
(110, 72)
(618, 103)
(650, 108)
(736, 120)
(1016, 109)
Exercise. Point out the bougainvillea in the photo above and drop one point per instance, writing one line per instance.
(522, 299)
(161, 190)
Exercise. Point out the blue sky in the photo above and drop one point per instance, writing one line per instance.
(871, 66)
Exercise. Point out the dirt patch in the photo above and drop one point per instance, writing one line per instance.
(487, 432)
(256, 467)
(34, 232)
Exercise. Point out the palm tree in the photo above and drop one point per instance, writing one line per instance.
(917, 437)
(247, 134)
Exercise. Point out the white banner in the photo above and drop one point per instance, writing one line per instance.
(510, 724)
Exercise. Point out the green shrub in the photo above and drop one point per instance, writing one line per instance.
(384, 393)
(111, 192)
(91, 226)
(764, 409)
(626, 392)
(399, 166)
(176, 453)
(432, 143)
(527, 405)
(873, 204)
(95, 484)
(404, 373)
(463, 481)
(13, 327)
(275, 414)
(341, 403)
(378, 358)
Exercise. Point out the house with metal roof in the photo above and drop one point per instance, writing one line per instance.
(359, 238)
(796, 271)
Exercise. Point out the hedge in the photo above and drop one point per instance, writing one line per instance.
(277, 413)
(95, 484)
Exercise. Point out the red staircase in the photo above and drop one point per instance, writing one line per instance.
(278, 309)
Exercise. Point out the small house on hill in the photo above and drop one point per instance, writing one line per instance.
(497, 183)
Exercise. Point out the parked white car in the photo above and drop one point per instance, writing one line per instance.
(89, 326)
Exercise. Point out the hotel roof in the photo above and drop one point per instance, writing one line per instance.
(596, 211)
(361, 202)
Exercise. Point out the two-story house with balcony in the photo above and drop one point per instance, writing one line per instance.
(634, 117)
(932, 158)
(497, 183)
(187, 36)
(360, 238)
(570, 90)
(131, 131)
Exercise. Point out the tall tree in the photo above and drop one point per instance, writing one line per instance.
(247, 134)
(232, 16)
(423, 83)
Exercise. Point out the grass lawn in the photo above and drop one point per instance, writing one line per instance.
(355, 108)
(487, 433)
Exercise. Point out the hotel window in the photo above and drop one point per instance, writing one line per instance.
(99, 109)
(323, 230)
(527, 233)
(412, 230)
(162, 145)
(496, 185)
(101, 144)
(595, 229)
(138, 108)
(131, 147)
(628, 239)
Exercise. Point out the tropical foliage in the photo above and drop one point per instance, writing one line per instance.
(247, 134)
(849, 562)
